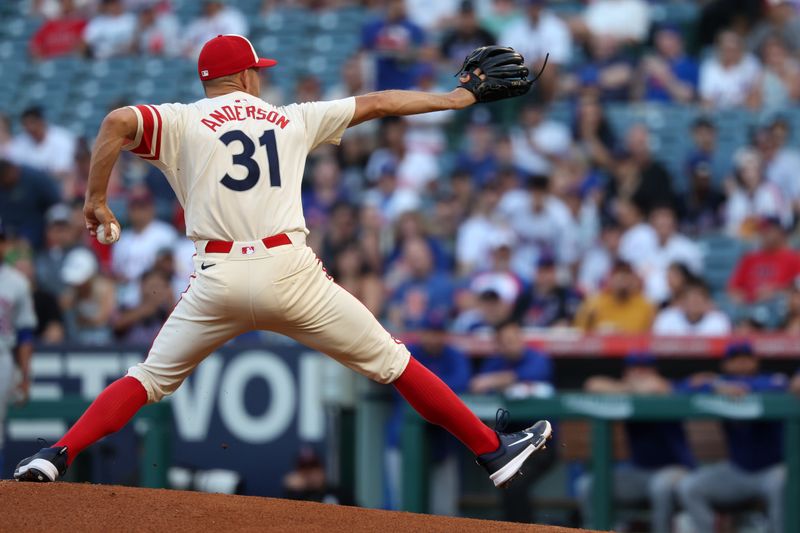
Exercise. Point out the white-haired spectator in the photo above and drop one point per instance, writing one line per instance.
(112, 32)
(730, 74)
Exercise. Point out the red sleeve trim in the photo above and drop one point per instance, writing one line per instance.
(144, 148)
(158, 127)
(149, 146)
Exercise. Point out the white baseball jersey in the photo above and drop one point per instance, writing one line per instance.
(235, 161)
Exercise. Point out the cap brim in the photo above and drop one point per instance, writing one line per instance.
(264, 63)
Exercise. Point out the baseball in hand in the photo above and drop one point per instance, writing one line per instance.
(113, 237)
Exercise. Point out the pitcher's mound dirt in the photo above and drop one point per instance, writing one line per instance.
(75, 508)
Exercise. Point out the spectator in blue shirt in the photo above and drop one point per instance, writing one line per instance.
(451, 366)
(517, 371)
(659, 452)
(423, 289)
(395, 42)
(669, 75)
(755, 466)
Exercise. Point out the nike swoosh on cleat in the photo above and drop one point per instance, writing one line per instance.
(528, 437)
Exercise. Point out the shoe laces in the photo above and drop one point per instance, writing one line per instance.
(501, 420)
(43, 442)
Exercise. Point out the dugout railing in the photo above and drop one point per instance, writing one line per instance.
(602, 411)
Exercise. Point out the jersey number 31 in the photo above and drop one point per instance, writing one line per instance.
(245, 159)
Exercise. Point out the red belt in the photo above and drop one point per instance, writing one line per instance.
(223, 247)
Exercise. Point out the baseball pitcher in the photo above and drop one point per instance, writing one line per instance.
(235, 163)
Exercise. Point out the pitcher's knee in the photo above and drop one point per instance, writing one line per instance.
(391, 365)
(157, 387)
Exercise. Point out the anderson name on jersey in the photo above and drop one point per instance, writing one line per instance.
(235, 161)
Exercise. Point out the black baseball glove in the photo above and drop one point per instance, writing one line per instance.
(505, 71)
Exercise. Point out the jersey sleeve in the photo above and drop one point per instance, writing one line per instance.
(325, 122)
(158, 134)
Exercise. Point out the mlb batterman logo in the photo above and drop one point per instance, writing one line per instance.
(248, 250)
(204, 73)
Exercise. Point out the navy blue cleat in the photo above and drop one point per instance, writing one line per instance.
(505, 463)
(46, 466)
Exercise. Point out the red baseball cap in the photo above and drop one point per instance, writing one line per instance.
(228, 54)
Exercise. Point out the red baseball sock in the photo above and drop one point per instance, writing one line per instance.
(437, 404)
(110, 411)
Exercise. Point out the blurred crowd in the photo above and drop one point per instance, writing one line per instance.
(481, 216)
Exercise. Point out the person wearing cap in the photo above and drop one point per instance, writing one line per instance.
(89, 300)
(219, 17)
(518, 371)
(17, 324)
(659, 451)
(433, 350)
(701, 206)
(236, 165)
(59, 240)
(621, 307)
(754, 468)
(766, 273)
(548, 302)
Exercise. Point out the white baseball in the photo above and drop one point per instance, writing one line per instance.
(102, 238)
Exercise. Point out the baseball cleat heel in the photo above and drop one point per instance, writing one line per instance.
(48, 465)
(505, 463)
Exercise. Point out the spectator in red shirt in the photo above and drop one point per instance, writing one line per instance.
(61, 35)
(765, 273)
